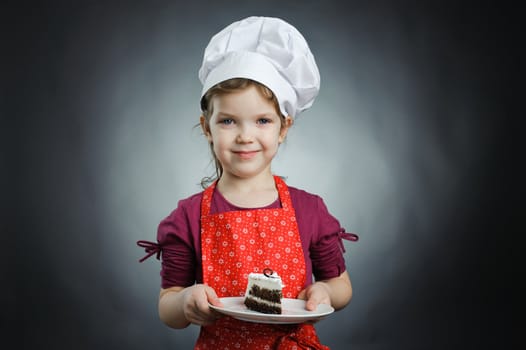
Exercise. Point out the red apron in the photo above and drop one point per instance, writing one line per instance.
(236, 243)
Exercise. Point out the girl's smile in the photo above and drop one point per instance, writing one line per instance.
(246, 154)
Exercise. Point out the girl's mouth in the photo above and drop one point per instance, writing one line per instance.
(246, 154)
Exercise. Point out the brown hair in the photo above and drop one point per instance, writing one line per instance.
(207, 107)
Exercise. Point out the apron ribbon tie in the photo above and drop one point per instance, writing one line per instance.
(303, 339)
(150, 248)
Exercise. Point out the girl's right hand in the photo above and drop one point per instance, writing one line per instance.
(195, 304)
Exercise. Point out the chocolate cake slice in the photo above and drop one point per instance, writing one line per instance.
(264, 292)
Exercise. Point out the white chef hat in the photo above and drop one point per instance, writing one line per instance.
(269, 51)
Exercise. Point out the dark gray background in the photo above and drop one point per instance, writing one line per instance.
(402, 143)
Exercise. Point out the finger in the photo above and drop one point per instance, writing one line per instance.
(205, 314)
(312, 304)
(202, 320)
(212, 297)
(200, 317)
(203, 308)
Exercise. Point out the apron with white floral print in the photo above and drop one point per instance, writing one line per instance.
(236, 243)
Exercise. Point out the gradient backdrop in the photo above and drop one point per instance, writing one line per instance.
(101, 103)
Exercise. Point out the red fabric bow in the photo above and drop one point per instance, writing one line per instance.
(303, 338)
(150, 248)
(353, 237)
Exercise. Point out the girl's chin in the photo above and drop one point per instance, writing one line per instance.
(246, 173)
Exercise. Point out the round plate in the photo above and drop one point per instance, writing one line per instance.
(293, 311)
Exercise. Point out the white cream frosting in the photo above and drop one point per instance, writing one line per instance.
(271, 282)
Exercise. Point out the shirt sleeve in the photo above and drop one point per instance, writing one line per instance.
(326, 246)
(178, 263)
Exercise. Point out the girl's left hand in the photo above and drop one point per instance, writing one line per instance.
(315, 294)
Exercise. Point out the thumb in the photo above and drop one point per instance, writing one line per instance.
(211, 296)
(312, 304)
(302, 295)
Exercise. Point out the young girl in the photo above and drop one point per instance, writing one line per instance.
(257, 74)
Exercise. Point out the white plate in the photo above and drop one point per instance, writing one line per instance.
(293, 311)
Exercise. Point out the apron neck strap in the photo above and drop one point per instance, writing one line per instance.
(283, 193)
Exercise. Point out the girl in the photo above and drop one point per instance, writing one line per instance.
(257, 75)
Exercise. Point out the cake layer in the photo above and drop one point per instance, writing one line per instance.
(263, 307)
(270, 295)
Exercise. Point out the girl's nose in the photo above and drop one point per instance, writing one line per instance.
(244, 135)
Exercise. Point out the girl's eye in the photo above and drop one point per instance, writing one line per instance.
(226, 121)
(264, 121)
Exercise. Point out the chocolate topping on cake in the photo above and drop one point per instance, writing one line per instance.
(269, 273)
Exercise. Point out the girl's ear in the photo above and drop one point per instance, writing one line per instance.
(205, 128)
(285, 128)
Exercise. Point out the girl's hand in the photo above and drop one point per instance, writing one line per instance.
(315, 294)
(195, 304)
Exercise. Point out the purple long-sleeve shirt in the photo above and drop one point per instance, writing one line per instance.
(179, 236)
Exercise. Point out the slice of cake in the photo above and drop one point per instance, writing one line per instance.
(263, 292)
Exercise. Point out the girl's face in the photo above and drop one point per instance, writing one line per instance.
(245, 132)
